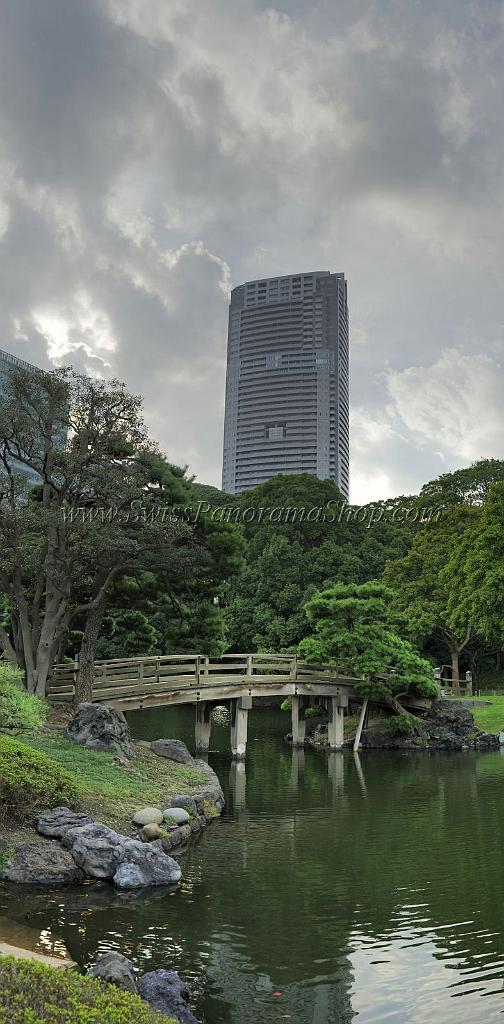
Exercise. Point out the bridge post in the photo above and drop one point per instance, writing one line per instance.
(240, 707)
(203, 726)
(335, 726)
(298, 721)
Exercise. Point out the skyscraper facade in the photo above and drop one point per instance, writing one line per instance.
(8, 363)
(287, 399)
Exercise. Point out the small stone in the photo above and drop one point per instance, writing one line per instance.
(174, 750)
(176, 815)
(150, 832)
(148, 816)
(187, 802)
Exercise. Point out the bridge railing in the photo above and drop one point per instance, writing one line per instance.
(121, 677)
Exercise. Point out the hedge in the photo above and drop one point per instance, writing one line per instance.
(18, 708)
(31, 993)
(31, 781)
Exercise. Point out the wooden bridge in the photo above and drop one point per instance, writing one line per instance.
(234, 679)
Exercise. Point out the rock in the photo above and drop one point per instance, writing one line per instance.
(448, 725)
(145, 864)
(41, 863)
(178, 815)
(187, 802)
(150, 832)
(116, 969)
(57, 822)
(182, 834)
(207, 797)
(97, 849)
(102, 728)
(148, 816)
(174, 750)
(165, 991)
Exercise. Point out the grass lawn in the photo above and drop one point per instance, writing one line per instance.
(491, 717)
(107, 790)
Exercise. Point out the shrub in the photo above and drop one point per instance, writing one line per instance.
(18, 709)
(30, 780)
(313, 712)
(31, 993)
(401, 725)
(286, 704)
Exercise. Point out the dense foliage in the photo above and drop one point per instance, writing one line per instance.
(354, 629)
(31, 781)
(298, 535)
(33, 993)
(18, 709)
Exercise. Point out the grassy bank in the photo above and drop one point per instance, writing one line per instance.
(491, 717)
(109, 791)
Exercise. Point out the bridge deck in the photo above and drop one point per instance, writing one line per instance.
(135, 683)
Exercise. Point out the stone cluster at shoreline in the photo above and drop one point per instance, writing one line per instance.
(72, 847)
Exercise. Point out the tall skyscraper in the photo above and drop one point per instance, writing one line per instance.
(287, 381)
(8, 363)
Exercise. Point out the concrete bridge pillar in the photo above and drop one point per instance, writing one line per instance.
(298, 721)
(335, 726)
(240, 707)
(203, 726)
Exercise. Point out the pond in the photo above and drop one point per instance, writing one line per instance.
(332, 886)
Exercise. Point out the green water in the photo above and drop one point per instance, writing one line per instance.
(332, 886)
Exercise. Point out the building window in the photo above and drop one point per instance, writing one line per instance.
(275, 431)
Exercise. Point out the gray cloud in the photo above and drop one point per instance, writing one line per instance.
(153, 154)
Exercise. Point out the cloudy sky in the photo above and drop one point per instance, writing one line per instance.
(155, 153)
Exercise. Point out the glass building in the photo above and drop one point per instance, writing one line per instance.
(287, 388)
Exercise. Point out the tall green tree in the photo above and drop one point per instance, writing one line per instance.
(423, 592)
(63, 437)
(474, 574)
(353, 628)
(467, 486)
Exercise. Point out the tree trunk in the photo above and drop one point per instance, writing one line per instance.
(455, 672)
(85, 672)
(7, 648)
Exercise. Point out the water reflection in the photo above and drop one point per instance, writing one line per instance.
(333, 885)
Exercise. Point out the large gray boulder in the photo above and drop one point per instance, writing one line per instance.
(102, 728)
(96, 848)
(174, 750)
(41, 863)
(165, 991)
(56, 823)
(145, 864)
(116, 969)
(97, 851)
